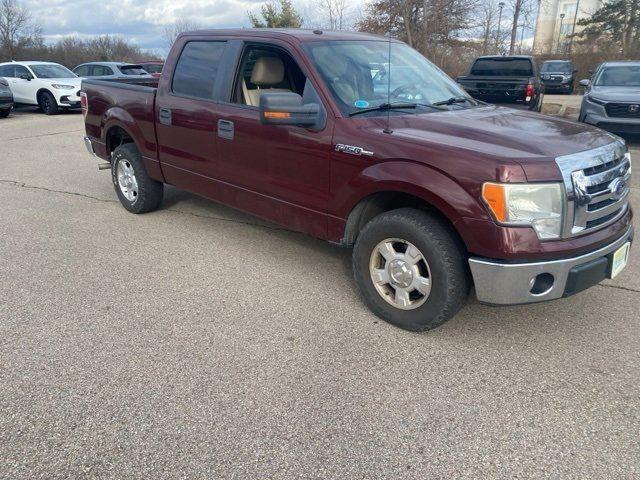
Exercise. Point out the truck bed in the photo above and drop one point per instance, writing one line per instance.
(129, 102)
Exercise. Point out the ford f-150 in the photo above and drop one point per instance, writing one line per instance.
(434, 191)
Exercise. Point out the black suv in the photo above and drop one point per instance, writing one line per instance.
(558, 76)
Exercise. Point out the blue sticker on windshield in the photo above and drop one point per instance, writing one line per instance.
(361, 103)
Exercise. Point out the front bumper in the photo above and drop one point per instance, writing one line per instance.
(596, 115)
(68, 98)
(556, 87)
(500, 283)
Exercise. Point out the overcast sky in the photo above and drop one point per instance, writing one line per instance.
(142, 21)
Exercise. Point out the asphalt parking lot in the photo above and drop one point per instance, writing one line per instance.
(199, 342)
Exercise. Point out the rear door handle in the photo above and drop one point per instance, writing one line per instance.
(165, 116)
(225, 129)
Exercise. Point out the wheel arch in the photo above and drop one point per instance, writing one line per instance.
(386, 200)
(400, 184)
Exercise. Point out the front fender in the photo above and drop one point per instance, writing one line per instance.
(419, 180)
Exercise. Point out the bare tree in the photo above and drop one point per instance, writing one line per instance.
(17, 29)
(517, 8)
(336, 11)
(181, 25)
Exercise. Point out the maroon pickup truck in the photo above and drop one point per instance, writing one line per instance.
(435, 191)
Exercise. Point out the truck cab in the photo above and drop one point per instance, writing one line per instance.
(435, 191)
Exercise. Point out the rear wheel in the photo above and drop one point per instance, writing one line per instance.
(137, 191)
(47, 103)
(410, 269)
(5, 113)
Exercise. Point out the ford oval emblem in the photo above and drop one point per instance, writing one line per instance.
(618, 188)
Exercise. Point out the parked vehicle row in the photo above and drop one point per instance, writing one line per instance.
(53, 87)
(433, 190)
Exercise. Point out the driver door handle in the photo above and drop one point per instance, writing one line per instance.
(225, 129)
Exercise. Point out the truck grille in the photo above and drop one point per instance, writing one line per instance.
(553, 79)
(596, 185)
(623, 110)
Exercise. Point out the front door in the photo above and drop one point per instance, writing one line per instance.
(277, 172)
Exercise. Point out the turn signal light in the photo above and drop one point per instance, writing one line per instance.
(277, 114)
(495, 197)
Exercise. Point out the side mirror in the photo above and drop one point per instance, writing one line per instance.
(25, 77)
(288, 109)
(584, 83)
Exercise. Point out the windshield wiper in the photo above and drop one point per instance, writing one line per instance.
(454, 100)
(384, 107)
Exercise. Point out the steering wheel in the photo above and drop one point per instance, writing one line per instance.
(409, 90)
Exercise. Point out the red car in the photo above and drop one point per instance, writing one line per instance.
(154, 67)
(433, 190)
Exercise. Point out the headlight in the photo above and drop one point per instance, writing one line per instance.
(596, 100)
(62, 87)
(538, 205)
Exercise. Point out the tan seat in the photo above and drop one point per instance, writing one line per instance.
(267, 71)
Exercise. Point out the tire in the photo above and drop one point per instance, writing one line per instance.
(48, 104)
(5, 113)
(442, 255)
(137, 191)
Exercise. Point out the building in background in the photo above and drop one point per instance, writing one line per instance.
(557, 20)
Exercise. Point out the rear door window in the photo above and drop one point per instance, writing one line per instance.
(197, 69)
(499, 67)
(82, 71)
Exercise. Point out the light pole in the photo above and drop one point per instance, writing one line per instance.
(559, 33)
(501, 6)
(573, 29)
(522, 36)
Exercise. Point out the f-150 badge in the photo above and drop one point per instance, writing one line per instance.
(350, 149)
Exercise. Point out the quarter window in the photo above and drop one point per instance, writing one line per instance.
(7, 71)
(197, 68)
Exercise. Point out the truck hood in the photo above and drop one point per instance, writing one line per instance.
(500, 133)
(616, 94)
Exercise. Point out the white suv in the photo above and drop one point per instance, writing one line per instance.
(49, 85)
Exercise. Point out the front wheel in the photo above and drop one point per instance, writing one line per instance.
(48, 103)
(137, 191)
(410, 269)
(5, 113)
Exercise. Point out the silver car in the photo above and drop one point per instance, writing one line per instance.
(106, 70)
(612, 97)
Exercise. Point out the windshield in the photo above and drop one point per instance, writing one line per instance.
(360, 75)
(132, 70)
(620, 76)
(502, 67)
(52, 71)
(556, 67)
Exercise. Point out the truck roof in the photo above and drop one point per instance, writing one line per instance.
(300, 34)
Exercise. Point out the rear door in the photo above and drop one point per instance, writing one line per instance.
(23, 85)
(186, 115)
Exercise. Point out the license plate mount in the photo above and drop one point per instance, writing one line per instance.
(619, 260)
